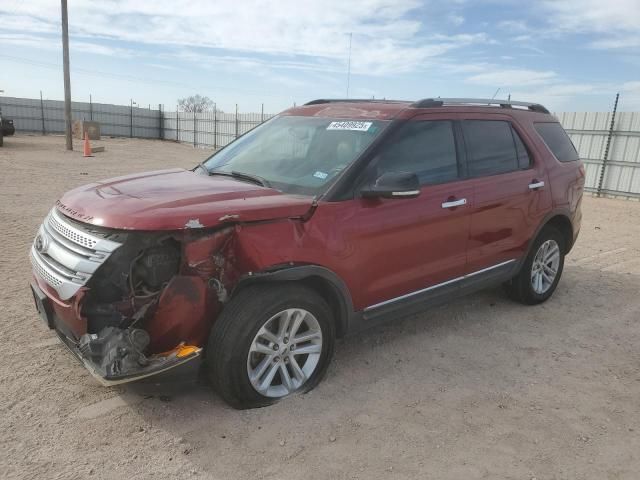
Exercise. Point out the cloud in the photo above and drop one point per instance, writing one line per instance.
(46, 42)
(618, 41)
(631, 87)
(161, 66)
(595, 15)
(27, 23)
(507, 78)
(101, 49)
(614, 22)
(455, 20)
(513, 26)
(20, 39)
(387, 37)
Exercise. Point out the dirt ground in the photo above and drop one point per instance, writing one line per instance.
(481, 388)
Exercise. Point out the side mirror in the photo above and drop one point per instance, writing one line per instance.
(393, 185)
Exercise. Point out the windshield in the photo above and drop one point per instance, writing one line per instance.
(299, 155)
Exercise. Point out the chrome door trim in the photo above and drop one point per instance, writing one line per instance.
(454, 203)
(433, 287)
(502, 264)
(536, 185)
(408, 193)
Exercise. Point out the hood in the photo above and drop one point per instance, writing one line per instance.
(177, 199)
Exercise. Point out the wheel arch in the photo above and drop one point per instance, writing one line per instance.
(320, 279)
(562, 222)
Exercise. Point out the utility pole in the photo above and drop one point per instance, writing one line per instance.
(67, 77)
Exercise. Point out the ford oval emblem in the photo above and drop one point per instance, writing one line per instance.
(41, 243)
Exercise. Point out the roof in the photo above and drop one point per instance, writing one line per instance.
(390, 109)
(353, 109)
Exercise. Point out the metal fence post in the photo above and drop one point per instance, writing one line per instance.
(131, 121)
(236, 120)
(90, 108)
(194, 129)
(215, 127)
(262, 113)
(160, 123)
(607, 146)
(177, 124)
(42, 113)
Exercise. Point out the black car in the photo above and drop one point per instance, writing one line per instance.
(6, 128)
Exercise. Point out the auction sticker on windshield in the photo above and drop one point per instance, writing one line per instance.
(358, 126)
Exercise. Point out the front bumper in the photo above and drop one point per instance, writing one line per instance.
(103, 371)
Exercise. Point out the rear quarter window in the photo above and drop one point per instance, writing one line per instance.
(557, 140)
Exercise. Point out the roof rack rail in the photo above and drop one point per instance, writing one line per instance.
(320, 101)
(439, 102)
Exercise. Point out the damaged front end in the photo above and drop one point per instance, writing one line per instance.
(131, 304)
(117, 356)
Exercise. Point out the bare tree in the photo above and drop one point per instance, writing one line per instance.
(196, 103)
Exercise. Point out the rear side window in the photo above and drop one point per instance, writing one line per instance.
(493, 147)
(557, 140)
(426, 148)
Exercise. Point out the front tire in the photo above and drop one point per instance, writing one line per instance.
(542, 269)
(270, 342)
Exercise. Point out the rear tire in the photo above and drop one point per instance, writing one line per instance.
(541, 271)
(249, 341)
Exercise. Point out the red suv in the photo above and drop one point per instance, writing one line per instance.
(326, 219)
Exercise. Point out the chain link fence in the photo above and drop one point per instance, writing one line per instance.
(206, 130)
(47, 116)
(610, 149)
(209, 129)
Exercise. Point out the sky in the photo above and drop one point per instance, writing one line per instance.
(570, 55)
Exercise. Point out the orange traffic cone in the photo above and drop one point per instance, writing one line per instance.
(87, 146)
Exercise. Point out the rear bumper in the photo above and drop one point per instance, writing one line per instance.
(100, 359)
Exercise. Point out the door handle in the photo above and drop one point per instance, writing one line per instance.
(536, 185)
(454, 203)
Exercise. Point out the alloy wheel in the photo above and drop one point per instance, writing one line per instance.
(285, 353)
(544, 268)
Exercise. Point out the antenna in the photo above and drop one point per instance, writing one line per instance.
(349, 63)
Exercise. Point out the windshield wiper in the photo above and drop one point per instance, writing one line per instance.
(243, 176)
(201, 165)
(252, 178)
